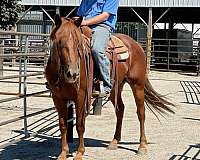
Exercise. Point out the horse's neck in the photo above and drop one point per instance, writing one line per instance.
(86, 31)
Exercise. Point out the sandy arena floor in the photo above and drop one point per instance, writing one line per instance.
(176, 137)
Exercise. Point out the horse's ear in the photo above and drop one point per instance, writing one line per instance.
(78, 21)
(57, 20)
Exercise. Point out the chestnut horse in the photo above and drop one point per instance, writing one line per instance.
(66, 73)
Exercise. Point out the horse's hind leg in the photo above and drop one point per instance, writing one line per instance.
(62, 116)
(119, 113)
(138, 91)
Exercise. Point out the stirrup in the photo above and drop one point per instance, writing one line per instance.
(95, 93)
(104, 95)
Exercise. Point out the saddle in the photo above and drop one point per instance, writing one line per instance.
(118, 47)
(115, 45)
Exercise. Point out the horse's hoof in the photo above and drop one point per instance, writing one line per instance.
(78, 156)
(62, 156)
(112, 146)
(142, 151)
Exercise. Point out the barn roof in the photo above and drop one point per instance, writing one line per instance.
(123, 3)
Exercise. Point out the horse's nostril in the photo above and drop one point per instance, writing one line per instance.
(75, 75)
(69, 74)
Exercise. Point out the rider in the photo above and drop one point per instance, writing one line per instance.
(101, 17)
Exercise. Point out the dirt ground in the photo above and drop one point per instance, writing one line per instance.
(175, 137)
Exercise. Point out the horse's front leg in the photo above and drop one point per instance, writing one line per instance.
(62, 116)
(80, 126)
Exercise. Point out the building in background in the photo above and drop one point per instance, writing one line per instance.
(140, 19)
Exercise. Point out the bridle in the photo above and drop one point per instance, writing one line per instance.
(63, 67)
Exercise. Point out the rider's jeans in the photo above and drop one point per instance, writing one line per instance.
(100, 37)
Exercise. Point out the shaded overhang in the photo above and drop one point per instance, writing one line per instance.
(181, 11)
(123, 3)
(175, 14)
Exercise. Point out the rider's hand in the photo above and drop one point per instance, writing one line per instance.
(84, 23)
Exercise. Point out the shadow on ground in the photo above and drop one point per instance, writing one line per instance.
(43, 148)
(192, 119)
(192, 152)
(192, 91)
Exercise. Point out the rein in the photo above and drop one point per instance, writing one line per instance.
(88, 63)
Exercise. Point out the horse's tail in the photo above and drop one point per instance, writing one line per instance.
(155, 101)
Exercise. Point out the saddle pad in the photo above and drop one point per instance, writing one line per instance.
(120, 49)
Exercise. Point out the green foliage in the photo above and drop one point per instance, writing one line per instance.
(9, 10)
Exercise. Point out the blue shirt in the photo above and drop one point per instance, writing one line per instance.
(92, 8)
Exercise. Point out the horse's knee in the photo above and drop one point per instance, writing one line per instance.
(62, 125)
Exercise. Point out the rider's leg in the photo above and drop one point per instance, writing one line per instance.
(100, 38)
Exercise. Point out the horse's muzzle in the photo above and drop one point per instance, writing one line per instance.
(70, 75)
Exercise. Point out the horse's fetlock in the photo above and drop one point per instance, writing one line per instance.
(143, 139)
(81, 150)
(66, 149)
(117, 137)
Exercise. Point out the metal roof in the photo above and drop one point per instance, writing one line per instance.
(123, 3)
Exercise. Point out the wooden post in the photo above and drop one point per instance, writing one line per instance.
(98, 101)
(1, 59)
(58, 10)
(198, 65)
(192, 30)
(169, 37)
(97, 106)
(14, 45)
(44, 25)
(149, 39)
(25, 88)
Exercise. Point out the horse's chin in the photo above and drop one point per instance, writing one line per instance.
(71, 80)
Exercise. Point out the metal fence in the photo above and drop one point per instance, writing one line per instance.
(13, 45)
(28, 54)
(23, 51)
(169, 54)
(175, 54)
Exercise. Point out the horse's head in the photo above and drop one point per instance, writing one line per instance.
(67, 47)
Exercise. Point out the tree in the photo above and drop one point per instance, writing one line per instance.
(9, 10)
